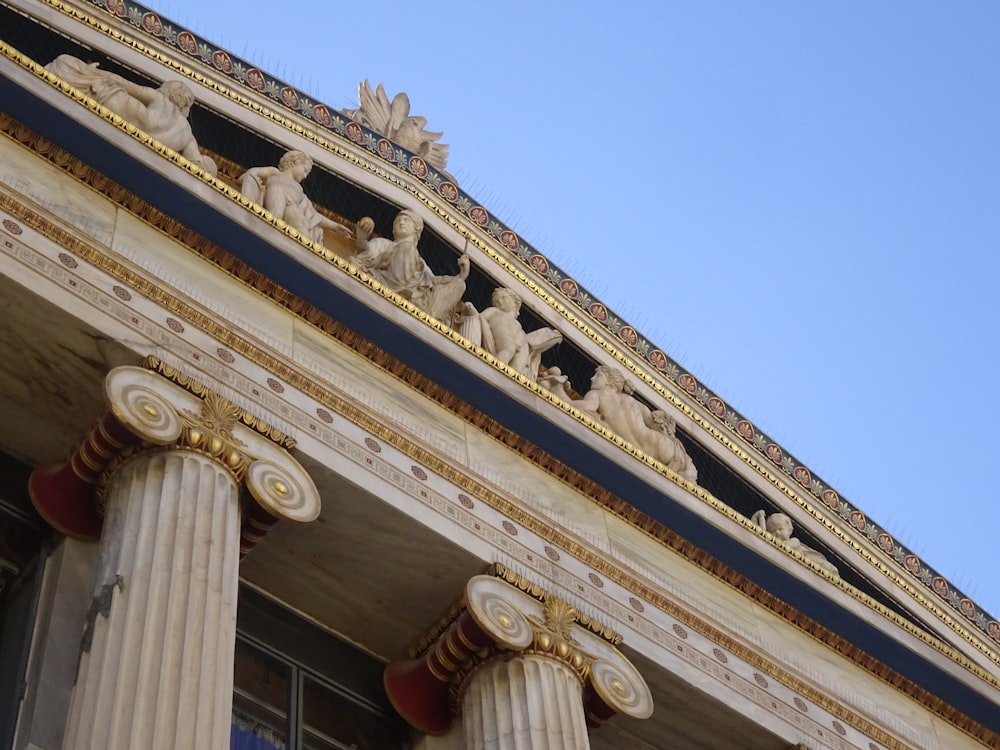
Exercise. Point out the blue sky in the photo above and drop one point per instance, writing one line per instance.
(797, 201)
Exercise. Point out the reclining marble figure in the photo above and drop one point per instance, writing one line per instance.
(397, 264)
(497, 330)
(161, 112)
(279, 190)
(610, 402)
(780, 525)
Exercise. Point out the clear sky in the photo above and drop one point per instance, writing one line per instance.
(797, 201)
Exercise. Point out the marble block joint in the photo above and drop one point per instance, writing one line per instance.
(521, 672)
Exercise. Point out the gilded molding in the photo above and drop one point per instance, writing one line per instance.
(552, 636)
(211, 432)
(533, 589)
(191, 385)
(315, 317)
(497, 621)
(516, 442)
(435, 631)
(693, 402)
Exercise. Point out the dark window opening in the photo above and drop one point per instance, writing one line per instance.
(297, 686)
(22, 557)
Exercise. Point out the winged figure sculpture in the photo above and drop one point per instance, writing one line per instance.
(392, 119)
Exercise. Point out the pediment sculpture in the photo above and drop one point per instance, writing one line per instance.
(392, 119)
(611, 403)
(397, 264)
(160, 112)
(556, 383)
(498, 330)
(279, 190)
(780, 524)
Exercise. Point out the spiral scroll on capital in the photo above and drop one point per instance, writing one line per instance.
(283, 491)
(135, 399)
(622, 688)
(489, 602)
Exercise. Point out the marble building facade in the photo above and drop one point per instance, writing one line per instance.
(262, 487)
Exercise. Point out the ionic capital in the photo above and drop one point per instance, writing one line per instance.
(494, 621)
(146, 411)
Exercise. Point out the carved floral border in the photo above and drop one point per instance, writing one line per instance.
(784, 699)
(332, 121)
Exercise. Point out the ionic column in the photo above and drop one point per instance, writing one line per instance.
(156, 664)
(523, 674)
(524, 702)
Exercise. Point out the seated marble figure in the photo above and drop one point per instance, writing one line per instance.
(610, 402)
(161, 112)
(279, 190)
(397, 264)
(498, 330)
(780, 525)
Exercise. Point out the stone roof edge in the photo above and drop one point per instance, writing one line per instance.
(706, 408)
(941, 647)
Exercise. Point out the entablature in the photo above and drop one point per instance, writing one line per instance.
(418, 444)
(328, 286)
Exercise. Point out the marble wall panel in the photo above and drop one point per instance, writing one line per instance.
(55, 648)
(404, 407)
(830, 672)
(525, 484)
(677, 576)
(188, 274)
(50, 188)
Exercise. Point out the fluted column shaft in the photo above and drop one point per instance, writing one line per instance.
(156, 659)
(159, 669)
(527, 702)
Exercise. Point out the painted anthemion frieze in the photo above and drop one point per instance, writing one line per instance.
(161, 112)
(392, 119)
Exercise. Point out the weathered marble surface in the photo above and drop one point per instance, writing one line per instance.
(172, 527)
(161, 112)
(62, 606)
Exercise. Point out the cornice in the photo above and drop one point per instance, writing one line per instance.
(192, 385)
(227, 262)
(333, 133)
(390, 364)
